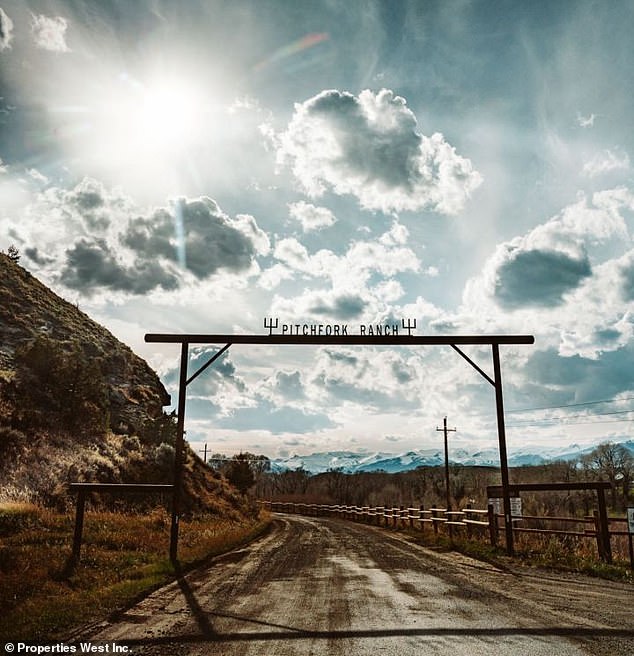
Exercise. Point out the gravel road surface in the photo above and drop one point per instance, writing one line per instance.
(325, 586)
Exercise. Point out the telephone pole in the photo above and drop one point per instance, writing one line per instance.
(205, 452)
(446, 430)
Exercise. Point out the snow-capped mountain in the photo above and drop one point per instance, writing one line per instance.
(351, 462)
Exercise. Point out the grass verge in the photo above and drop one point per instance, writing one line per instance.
(551, 553)
(124, 556)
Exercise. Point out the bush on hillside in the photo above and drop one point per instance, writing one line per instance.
(54, 386)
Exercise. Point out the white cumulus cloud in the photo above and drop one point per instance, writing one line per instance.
(311, 217)
(369, 146)
(49, 32)
(6, 30)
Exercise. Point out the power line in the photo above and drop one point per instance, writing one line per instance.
(574, 423)
(569, 405)
(596, 414)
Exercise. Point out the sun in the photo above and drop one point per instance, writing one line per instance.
(151, 131)
(159, 118)
(169, 114)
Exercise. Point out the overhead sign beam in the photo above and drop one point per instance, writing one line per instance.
(341, 340)
(335, 335)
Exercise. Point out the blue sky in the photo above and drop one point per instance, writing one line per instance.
(198, 166)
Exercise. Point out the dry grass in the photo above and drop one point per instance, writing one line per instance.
(564, 553)
(123, 556)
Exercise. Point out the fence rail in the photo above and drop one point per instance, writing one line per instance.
(471, 520)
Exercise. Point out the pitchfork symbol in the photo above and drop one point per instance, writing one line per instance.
(409, 327)
(270, 325)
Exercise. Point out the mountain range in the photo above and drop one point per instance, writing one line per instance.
(351, 462)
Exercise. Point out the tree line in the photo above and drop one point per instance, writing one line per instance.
(426, 485)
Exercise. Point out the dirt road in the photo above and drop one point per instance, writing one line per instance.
(320, 586)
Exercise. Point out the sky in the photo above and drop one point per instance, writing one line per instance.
(204, 165)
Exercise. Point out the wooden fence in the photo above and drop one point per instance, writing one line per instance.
(471, 522)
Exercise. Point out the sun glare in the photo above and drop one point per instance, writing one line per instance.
(159, 118)
(168, 114)
(150, 131)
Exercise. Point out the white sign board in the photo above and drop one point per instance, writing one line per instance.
(516, 506)
(630, 520)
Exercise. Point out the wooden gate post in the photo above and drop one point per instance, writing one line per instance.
(493, 525)
(79, 524)
(604, 528)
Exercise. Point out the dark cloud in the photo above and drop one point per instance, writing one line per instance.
(89, 195)
(607, 336)
(338, 356)
(210, 241)
(538, 277)
(627, 273)
(222, 372)
(342, 307)
(194, 233)
(37, 257)
(91, 264)
(401, 373)
(388, 155)
(368, 146)
(584, 378)
(289, 385)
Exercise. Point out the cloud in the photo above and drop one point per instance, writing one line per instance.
(586, 121)
(627, 277)
(208, 239)
(49, 32)
(368, 146)
(538, 277)
(6, 31)
(606, 162)
(569, 281)
(284, 387)
(97, 238)
(277, 420)
(91, 264)
(551, 260)
(344, 307)
(362, 284)
(311, 217)
(371, 377)
(583, 377)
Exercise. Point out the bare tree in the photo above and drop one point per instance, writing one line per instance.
(614, 462)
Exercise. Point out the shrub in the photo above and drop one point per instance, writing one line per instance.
(11, 443)
(53, 385)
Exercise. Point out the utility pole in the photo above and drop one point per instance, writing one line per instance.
(446, 430)
(205, 452)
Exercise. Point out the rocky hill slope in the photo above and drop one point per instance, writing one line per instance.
(76, 404)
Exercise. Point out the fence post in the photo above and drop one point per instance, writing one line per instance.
(433, 523)
(597, 530)
(605, 530)
(79, 524)
(468, 516)
(421, 516)
(493, 525)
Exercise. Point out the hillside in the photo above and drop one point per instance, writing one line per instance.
(76, 404)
